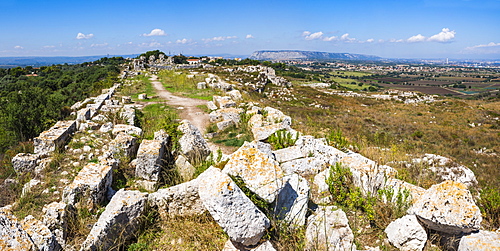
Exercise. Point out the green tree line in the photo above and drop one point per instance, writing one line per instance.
(33, 99)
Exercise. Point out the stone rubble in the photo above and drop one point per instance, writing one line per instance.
(407, 234)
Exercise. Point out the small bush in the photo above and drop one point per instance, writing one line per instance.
(337, 140)
(489, 203)
(282, 139)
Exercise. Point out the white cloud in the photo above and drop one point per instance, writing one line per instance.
(332, 38)
(49, 46)
(444, 36)
(18, 47)
(83, 36)
(183, 41)
(371, 40)
(99, 45)
(207, 40)
(155, 32)
(416, 38)
(312, 36)
(249, 36)
(346, 37)
(491, 44)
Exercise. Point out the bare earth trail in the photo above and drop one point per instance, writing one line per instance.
(188, 110)
(187, 106)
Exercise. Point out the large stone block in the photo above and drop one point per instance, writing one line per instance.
(56, 217)
(192, 144)
(179, 200)
(231, 208)
(118, 223)
(480, 241)
(292, 201)
(150, 160)
(448, 207)
(54, 138)
(128, 129)
(41, 235)
(328, 229)
(260, 173)
(25, 162)
(407, 234)
(12, 235)
(90, 185)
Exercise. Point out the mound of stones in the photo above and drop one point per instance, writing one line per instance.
(292, 180)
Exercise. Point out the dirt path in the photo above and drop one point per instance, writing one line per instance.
(186, 106)
(188, 110)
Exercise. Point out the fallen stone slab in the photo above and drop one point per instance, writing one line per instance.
(305, 166)
(12, 235)
(25, 162)
(192, 144)
(179, 200)
(406, 233)
(231, 208)
(328, 229)
(261, 174)
(54, 138)
(91, 185)
(235, 95)
(128, 129)
(124, 143)
(118, 223)
(320, 193)
(56, 217)
(150, 160)
(448, 207)
(224, 102)
(41, 235)
(292, 202)
(185, 169)
(480, 241)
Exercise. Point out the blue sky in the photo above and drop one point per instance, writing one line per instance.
(462, 29)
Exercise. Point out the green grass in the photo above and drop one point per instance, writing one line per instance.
(142, 84)
(180, 84)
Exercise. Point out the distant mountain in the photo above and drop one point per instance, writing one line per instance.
(308, 55)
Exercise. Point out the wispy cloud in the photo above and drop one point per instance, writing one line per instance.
(49, 46)
(490, 48)
(99, 45)
(249, 36)
(183, 41)
(151, 44)
(83, 36)
(155, 32)
(18, 47)
(319, 36)
(222, 38)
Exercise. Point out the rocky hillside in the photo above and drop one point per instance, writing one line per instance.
(308, 55)
(282, 181)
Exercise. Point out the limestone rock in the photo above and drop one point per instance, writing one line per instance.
(221, 126)
(321, 193)
(211, 105)
(192, 144)
(366, 173)
(185, 169)
(25, 162)
(201, 85)
(40, 234)
(150, 160)
(235, 95)
(480, 241)
(118, 223)
(448, 207)
(56, 217)
(224, 102)
(124, 143)
(230, 246)
(328, 229)
(230, 208)
(106, 127)
(179, 200)
(446, 169)
(305, 166)
(292, 201)
(289, 154)
(29, 185)
(128, 129)
(261, 174)
(54, 138)
(162, 136)
(398, 186)
(407, 234)
(91, 184)
(12, 235)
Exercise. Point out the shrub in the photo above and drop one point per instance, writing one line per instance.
(337, 140)
(282, 139)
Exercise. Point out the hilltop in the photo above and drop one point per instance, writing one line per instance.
(308, 55)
